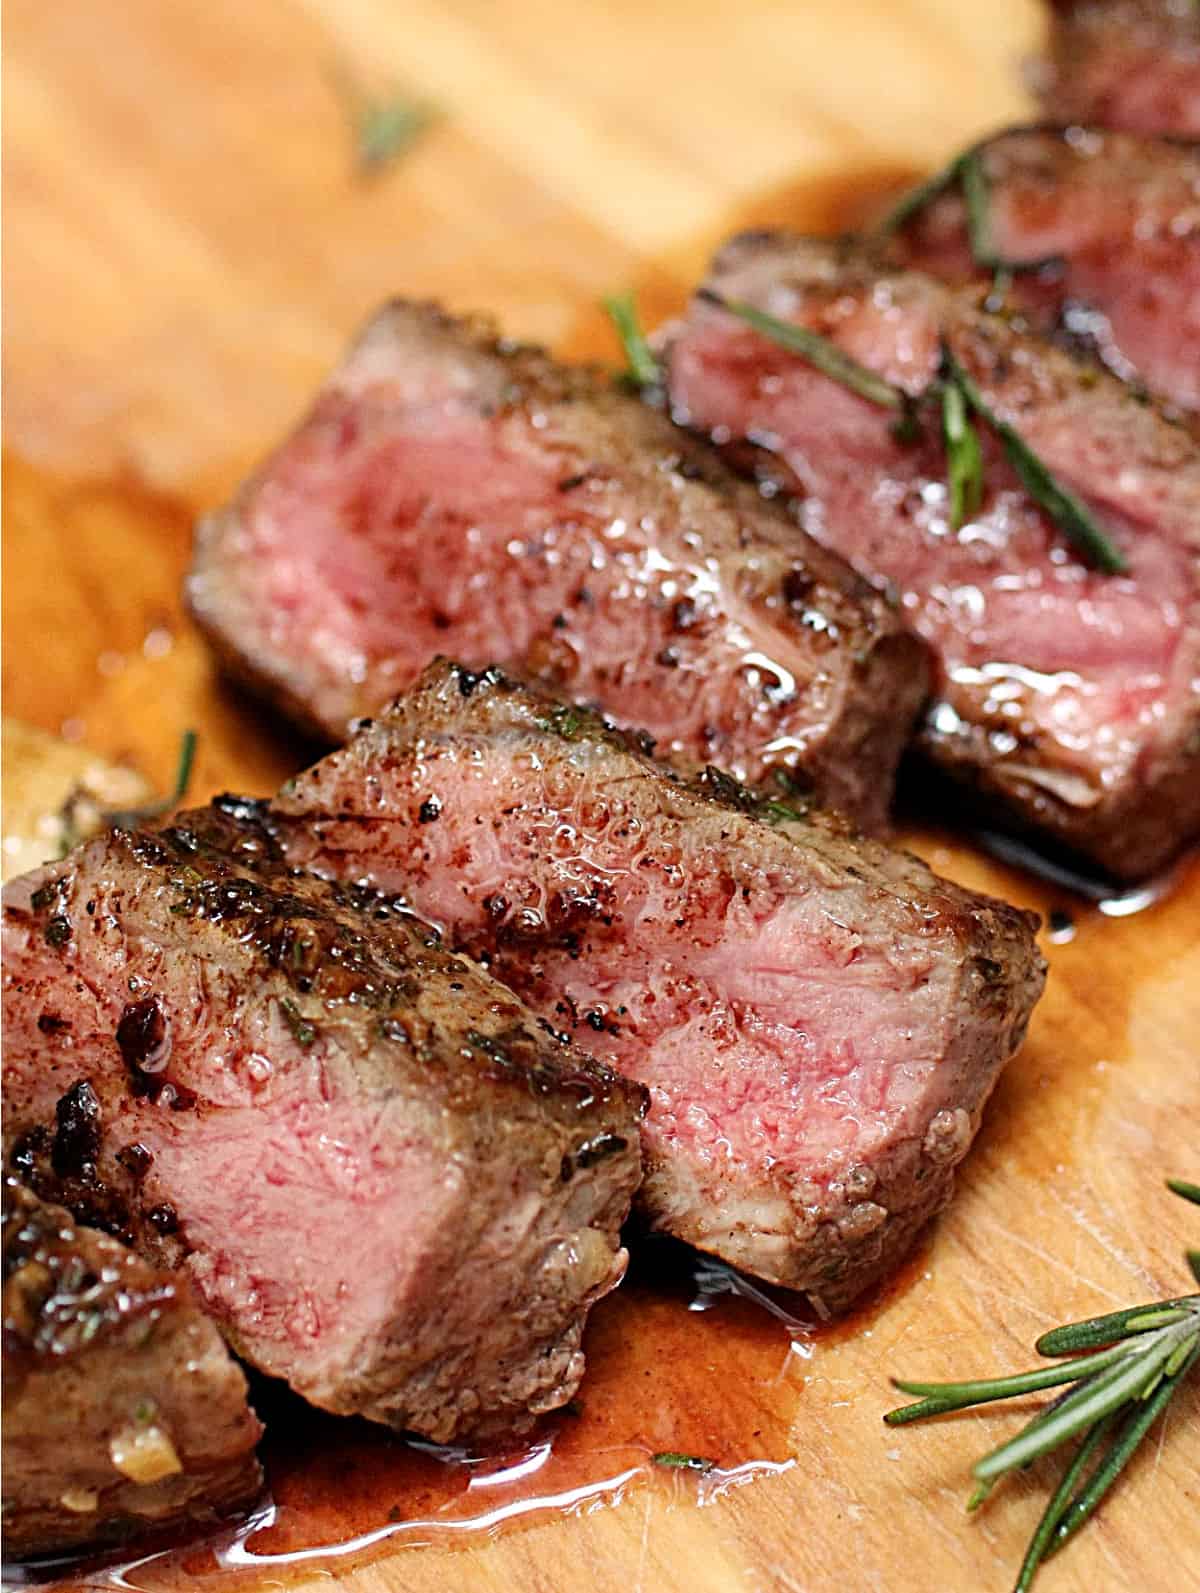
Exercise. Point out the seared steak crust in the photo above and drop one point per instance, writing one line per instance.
(1125, 63)
(819, 1018)
(451, 491)
(379, 1171)
(123, 1410)
(1116, 220)
(1066, 699)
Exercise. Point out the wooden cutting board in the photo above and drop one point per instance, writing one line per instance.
(188, 245)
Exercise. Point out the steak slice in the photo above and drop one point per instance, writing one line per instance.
(819, 1018)
(1067, 700)
(1116, 219)
(387, 1181)
(123, 1410)
(451, 491)
(1125, 63)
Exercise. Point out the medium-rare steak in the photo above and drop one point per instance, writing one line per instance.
(1114, 218)
(1067, 699)
(819, 1018)
(1125, 63)
(452, 492)
(123, 1410)
(387, 1181)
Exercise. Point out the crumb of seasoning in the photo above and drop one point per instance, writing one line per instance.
(674, 1460)
(384, 126)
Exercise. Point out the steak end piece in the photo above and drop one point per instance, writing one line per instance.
(453, 492)
(1066, 701)
(819, 1019)
(388, 1183)
(124, 1413)
(1113, 218)
(1125, 63)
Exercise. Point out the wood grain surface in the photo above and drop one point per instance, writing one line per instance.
(187, 246)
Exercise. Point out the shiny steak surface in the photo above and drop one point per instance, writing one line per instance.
(123, 1410)
(452, 492)
(1067, 700)
(819, 1018)
(387, 1182)
(1116, 220)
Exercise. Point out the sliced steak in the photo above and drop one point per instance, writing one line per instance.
(1116, 220)
(123, 1410)
(388, 1182)
(453, 492)
(819, 1019)
(1125, 63)
(1066, 699)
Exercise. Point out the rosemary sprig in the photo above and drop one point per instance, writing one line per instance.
(383, 127)
(912, 203)
(964, 456)
(819, 352)
(1134, 1361)
(82, 818)
(1064, 508)
(969, 172)
(130, 818)
(643, 370)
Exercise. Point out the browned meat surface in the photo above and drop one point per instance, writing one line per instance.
(1116, 220)
(1125, 63)
(386, 1181)
(819, 1018)
(1067, 700)
(123, 1410)
(451, 492)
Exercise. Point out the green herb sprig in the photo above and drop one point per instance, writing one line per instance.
(1063, 507)
(969, 172)
(642, 368)
(674, 1460)
(1124, 1369)
(822, 354)
(964, 454)
(82, 818)
(383, 127)
(130, 818)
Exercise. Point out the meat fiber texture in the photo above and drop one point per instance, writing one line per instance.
(1113, 219)
(453, 492)
(1067, 701)
(123, 1410)
(1125, 63)
(388, 1183)
(819, 1019)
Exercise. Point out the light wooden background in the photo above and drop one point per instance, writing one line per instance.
(187, 247)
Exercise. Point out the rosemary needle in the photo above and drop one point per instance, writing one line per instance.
(819, 352)
(1063, 507)
(960, 399)
(130, 818)
(642, 367)
(1133, 1362)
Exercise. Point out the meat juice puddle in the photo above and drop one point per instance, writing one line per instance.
(687, 1362)
(1089, 894)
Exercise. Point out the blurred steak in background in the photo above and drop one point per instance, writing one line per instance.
(1067, 699)
(1124, 63)
(1116, 220)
